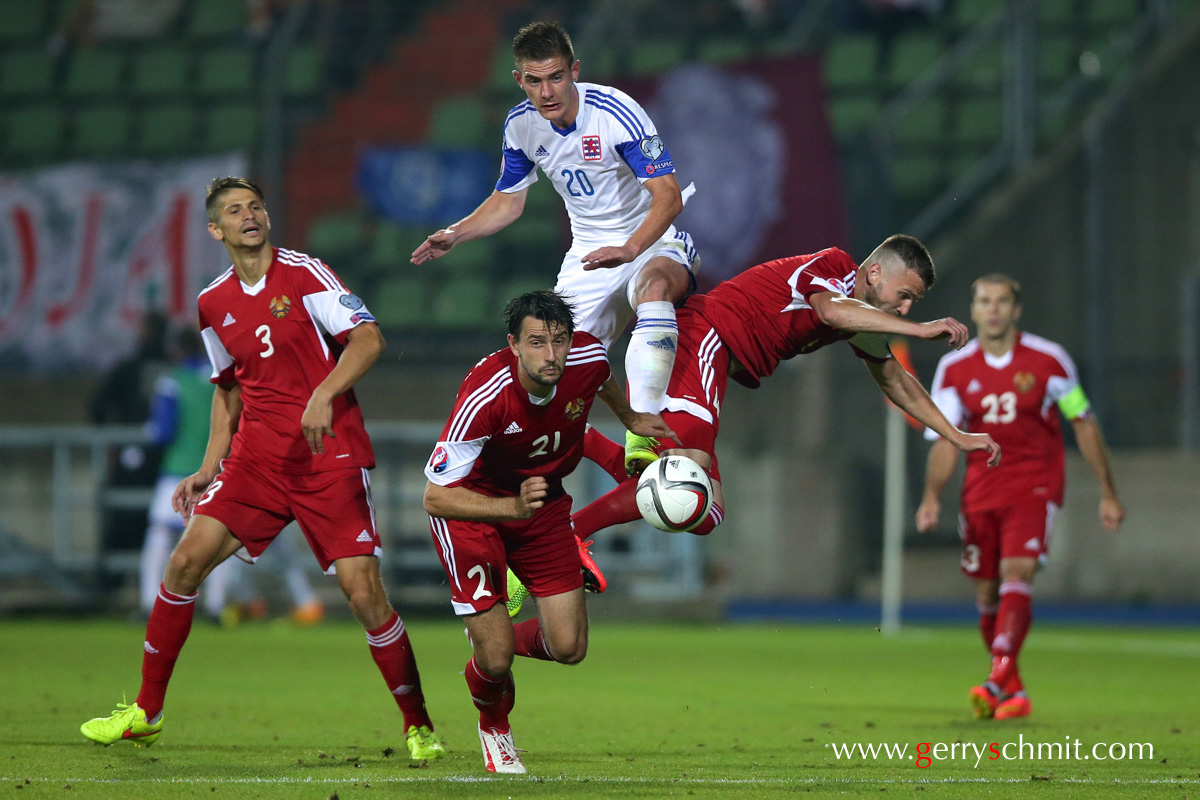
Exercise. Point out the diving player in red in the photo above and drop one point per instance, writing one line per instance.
(772, 312)
(287, 341)
(1011, 385)
(496, 501)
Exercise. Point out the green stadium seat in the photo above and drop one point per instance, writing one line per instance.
(923, 125)
(94, 73)
(102, 131)
(541, 198)
(475, 258)
(851, 115)
(463, 303)
(1056, 14)
(160, 71)
(34, 130)
(460, 122)
(1058, 60)
(26, 73)
(983, 71)
(1112, 13)
(971, 12)
(655, 57)
(336, 236)
(232, 127)
(535, 233)
(724, 50)
(980, 121)
(851, 62)
(216, 18)
(913, 55)
(167, 129)
(916, 176)
(517, 286)
(23, 19)
(500, 75)
(399, 303)
(303, 75)
(229, 71)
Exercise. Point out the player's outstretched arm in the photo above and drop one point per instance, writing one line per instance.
(223, 422)
(499, 211)
(640, 423)
(1091, 444)
(854, 316)
(455, 502)
(942, 459)
(666, 201)
(905, 391)
(364, 346)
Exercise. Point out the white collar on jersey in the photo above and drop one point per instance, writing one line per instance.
(998, 362)
(543, 401)
(256, 288)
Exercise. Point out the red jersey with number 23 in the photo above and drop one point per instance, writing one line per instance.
(1013, 398)
(278, 340)
(498, 434)
(764, 315)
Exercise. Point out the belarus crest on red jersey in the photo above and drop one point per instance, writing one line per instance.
(591, 148)
(575, 408)
(280, 306)
(1024, 381)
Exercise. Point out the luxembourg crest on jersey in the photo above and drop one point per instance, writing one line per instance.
(591, 148)
(280, 306)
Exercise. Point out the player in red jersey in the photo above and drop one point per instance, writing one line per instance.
(1007, 383)
(287, 341)
(772, 312)
(496, 501)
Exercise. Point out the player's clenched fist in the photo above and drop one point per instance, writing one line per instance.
(532, 496)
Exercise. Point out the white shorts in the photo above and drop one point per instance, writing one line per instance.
(603, 298)
(161, 512)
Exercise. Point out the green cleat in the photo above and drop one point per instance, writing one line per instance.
(128, 722)
(516, 594)
(423, 744)
(640, 452)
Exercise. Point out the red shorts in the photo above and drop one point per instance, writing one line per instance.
(697, 387)
(1020, 530)
(334, 509)
(477, 555)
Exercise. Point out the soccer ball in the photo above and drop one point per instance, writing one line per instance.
(674, 494)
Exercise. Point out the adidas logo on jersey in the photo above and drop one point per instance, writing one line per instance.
(229, 320)
(974, 386)
(541, 152)
(363, 537)
(513, 428)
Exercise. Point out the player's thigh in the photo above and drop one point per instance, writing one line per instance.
(666, 271)
(473, 555)
(565, 625)
(1025, 529)
(491, 635)
(249, 501)
(205, 543)
(597, 297)
(543, 552)
(980, 534)
(336, 514)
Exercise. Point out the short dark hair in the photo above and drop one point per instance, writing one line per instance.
(999, 279)
(545, 304)
(542, 41)
(212, 195)
(914, 255)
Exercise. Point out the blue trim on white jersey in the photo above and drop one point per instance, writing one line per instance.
(632, 130)
(517, 111)
(621, 111)
(632, 154)
(567, 131)
(517, 167)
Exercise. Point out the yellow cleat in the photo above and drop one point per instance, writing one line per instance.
(423, 744)
(127, 723)
(640, 452)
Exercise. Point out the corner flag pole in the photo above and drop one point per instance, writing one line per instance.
(895, 484)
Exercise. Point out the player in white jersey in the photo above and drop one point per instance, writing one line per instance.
(604, 156)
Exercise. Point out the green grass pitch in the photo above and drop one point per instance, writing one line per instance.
(655, 711)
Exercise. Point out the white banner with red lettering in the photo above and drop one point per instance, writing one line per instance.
(86, 249)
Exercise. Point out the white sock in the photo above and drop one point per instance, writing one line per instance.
(651, 355)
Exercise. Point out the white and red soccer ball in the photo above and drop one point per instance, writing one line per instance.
(674, 494)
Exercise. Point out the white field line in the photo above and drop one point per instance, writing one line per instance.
(596, 779)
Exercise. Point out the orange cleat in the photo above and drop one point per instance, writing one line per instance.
(984, 701)
(1012, 707)
(309, 614)
(593, 579)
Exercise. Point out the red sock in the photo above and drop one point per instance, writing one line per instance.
(168, 628)
(604, 451)
(393, 655)
(619, 505)
(530, 641)
(493, 698)
(1012, 624)
(987, 623)
(715, 516)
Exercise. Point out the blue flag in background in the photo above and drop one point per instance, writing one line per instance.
(424, 185)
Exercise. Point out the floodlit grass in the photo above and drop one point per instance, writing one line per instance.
(655, 711)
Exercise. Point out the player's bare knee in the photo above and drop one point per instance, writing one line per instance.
(661, 279)
(185, 572)
(568, 649)
(494, 661)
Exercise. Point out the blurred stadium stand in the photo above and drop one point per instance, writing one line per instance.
(974, 127)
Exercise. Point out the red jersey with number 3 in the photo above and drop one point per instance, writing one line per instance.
(498, 434)
(278, 340)
(764, 315)
(1013, 398)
